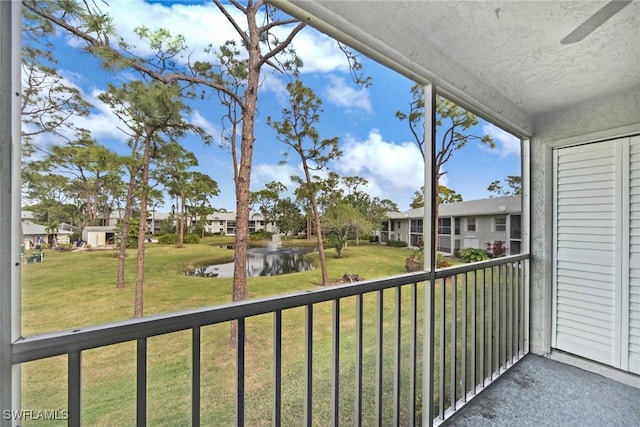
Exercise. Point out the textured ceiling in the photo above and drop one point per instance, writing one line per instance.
(511, 48)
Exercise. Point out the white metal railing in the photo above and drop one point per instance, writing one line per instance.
(479, 330)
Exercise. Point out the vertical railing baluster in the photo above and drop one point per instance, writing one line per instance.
(491, 336)
(277, 368)
(507, 315)
(413, 354)
(308, 352)
(516, 313)
(358, 400)
(454, 315)
(396, 356)
(74, 381)
(474, 330)
(141, 382)
(463, 378)
(195, 376)
(483, 314)
(336, 362)
(511, 311)
(379, 354)
(240, 360)
(519, 312)
(503, 349)
(521, 267)
(443, 346)
(498, 320)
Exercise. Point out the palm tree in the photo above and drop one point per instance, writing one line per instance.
(52, 228)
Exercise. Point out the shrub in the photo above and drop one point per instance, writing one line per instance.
(496, 249)
(397, 243)
(442, 262)
(191, 239)
(415, 261)
(473, 254)
(172, 239)
(260, 235)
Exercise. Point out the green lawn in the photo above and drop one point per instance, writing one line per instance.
(72, 289)
(75, 289)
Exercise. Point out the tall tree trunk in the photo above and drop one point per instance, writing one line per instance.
(316, 217)
(243, 175)
(126, 224)
(323, 259)
(182, 215)
(142, 229)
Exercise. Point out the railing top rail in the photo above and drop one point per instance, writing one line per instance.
(56, 343)
(465, 268)
(83, 338)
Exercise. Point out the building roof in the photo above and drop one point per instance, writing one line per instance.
(27, 215)
(98, 228)
(491, 206)
(32, 229)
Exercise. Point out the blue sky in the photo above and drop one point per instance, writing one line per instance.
(375, 144)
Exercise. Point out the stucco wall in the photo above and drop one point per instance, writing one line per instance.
(600, 119)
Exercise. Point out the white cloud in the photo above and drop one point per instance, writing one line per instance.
(101, 123)
(506, 143)
(343, 95)
(394, 171)
(264, 173)
(212, 130)
(319, 52)
(202, 25)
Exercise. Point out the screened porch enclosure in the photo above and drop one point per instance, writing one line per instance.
(411, 349)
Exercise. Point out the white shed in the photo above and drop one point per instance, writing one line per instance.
(99, 236)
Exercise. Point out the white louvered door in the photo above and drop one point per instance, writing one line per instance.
(634, 255)
(596, 302)
(585, 288)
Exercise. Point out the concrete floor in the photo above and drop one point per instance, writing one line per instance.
(542, 392)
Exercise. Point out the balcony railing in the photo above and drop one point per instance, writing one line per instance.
(378, 334)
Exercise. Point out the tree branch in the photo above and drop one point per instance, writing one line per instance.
(164, 78)
(232, 21)
(273, 24)
(282, 45)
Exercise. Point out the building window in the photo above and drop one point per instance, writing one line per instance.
(456, 226)
(416, 226)
(515, 226)
(500, 223)
(444, 225)
(471, 224)
(444, 244)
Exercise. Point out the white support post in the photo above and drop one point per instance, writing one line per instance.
(525, 231)
(10, 158)
(428, 231)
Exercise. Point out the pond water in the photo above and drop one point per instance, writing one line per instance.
(271, 261)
